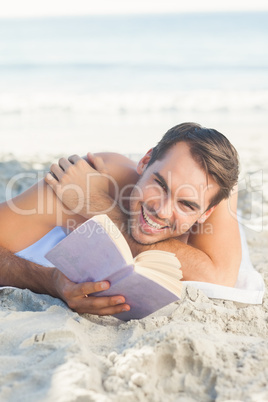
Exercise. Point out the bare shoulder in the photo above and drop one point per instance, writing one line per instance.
(120, 167)
(219, 238)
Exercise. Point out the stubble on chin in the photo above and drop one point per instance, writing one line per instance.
(146, 239)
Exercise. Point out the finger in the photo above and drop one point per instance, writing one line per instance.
(57, 171)
(91, 159)
(50, 178)
(91, 162)
(100, 305)
(97, 303)
(54, 185)
(98, 162)
(87, 288)
(113, 310)
(64, 164)
(104, 311)
(74, 158)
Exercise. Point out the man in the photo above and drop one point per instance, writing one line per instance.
(180, 192)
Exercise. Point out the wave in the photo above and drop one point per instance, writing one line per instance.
(115, 103)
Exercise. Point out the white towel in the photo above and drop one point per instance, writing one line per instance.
(249, 287)
(37, 251)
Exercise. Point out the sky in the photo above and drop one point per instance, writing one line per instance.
(34, 8)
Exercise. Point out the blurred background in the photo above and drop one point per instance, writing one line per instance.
(115, 76)
(79, 76)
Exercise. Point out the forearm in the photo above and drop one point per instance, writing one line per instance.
(195, 264)
(17, 272)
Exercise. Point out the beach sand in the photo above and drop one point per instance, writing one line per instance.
(196, 349)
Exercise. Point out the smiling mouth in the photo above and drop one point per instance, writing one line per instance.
(150, 222)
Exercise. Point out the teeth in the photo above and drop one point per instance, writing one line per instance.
(150, 222)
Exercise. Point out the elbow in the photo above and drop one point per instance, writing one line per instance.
(211, 273)
(223, 277)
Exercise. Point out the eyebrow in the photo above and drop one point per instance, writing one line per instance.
(163, 181)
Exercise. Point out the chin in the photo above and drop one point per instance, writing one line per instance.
(143, 238)
(139, 238)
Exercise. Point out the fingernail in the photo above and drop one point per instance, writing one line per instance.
(119, 301)
(125, 309)
(104, 285)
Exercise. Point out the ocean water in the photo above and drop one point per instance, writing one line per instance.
(117, 83)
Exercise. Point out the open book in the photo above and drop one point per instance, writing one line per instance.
(98, 251)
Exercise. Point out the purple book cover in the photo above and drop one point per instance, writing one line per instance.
(89, 254)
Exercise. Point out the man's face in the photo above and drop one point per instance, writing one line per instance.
(171, 195)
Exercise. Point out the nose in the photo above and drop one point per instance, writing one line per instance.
(165, 209)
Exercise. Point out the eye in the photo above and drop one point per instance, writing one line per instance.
(187, 205)
(162, 185)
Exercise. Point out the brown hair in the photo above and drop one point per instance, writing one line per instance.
(210, 149)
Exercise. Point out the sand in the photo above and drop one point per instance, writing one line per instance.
(196, 349)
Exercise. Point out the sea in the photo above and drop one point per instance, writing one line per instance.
(118, 83)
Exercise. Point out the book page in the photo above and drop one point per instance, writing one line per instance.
(162, 267)
(162, 261)
(156, 255)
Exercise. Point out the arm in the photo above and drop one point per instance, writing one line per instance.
(221, 243)
(29, 216)
(25, 220)
(25, 274)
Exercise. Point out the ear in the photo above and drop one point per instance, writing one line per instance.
(206, 214)
(144, 162)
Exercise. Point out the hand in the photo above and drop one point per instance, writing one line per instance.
(78, 298)
(78, 185)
